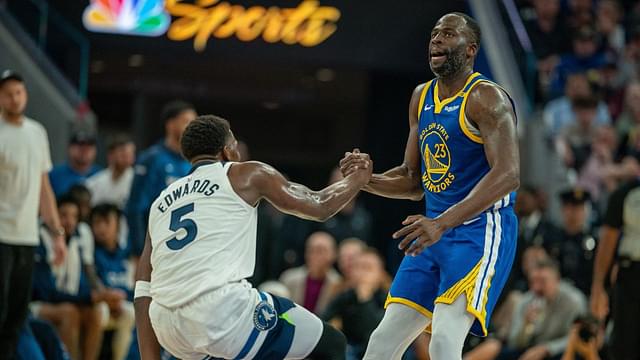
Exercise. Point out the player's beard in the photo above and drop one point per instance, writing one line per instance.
(452, 65)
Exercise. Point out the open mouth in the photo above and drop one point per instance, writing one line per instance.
(438, 56)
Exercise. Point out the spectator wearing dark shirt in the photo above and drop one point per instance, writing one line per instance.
(573, 144)
(574, 248)
(155, 169)
(357, 311)
(314, 284)
(80, 165)
(620, 233)
(585, 56)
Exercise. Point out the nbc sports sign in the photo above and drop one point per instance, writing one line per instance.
(307, 24)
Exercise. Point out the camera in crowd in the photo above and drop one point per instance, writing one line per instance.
(588, 327)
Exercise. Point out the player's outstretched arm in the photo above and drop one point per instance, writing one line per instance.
(147, 341)
(254, 181)
(403, 181)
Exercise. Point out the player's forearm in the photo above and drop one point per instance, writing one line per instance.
(397, 183)
(493, 187)
(148, 343)
(604, 254)
(327, 202)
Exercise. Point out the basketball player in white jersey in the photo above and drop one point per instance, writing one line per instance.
(191, 296)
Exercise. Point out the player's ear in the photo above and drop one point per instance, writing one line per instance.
(472, 49)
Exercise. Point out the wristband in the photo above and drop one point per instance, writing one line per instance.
(142, 289)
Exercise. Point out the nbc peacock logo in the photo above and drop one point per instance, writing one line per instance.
(132, 17)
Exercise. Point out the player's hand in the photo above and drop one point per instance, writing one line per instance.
(59, 249)
(423, 230)
(539, 352)
(353, 161)
(599, 302)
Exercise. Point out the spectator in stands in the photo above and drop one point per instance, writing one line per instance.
(112, 184)
(348, 251)
(608, 21)
(585, 339)
(534, 230)
(25, 192)
(156, 168)
(580, 13)
(559, 113)
(585, 57)
(574, 142)
(549, 36)
(357, 311)
(80, 165)
(574, 249)
(352, 221)
(82, 196)
(599, 174)
(628, 124)
(64, 295)
(541, 321)
(314, 284)
(114, 271)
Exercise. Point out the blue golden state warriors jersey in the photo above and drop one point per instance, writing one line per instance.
(453, 157)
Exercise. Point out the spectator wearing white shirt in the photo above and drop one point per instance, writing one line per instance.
(112, 184)
(25, 192)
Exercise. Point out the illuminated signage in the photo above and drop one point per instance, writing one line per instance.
(307, 24)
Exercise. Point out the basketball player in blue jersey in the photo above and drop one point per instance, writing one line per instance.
(462, 155)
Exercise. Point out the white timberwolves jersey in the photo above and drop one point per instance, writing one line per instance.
(203, 236)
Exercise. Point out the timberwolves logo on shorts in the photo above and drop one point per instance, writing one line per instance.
(265, 316)
(436, 157)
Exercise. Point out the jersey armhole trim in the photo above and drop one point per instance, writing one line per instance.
(462, 118)
(423, 95)
(227, 166)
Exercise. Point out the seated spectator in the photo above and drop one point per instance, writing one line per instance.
(352, 221)
(348, 252)
(314, 284)
(113, 270)
(574, 142)
(82, 196)
(80, 165)
(534, 229)
(357, 311)
(574, 249)
(112, 185)
(580, 13)
(598, 173)
(584, 57)
(608, 22)
(541, 321)
(63, 294)
(559, 113)
(39, 340)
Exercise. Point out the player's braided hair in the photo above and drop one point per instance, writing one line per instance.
(206, 135)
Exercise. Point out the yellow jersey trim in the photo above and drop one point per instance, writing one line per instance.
(461, 116)
(419, 308)
(423, 95)
(440, 104)
(466, 286)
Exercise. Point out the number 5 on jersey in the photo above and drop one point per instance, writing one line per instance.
(177, 223)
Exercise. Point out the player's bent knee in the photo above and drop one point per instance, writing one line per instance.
(331, 346)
